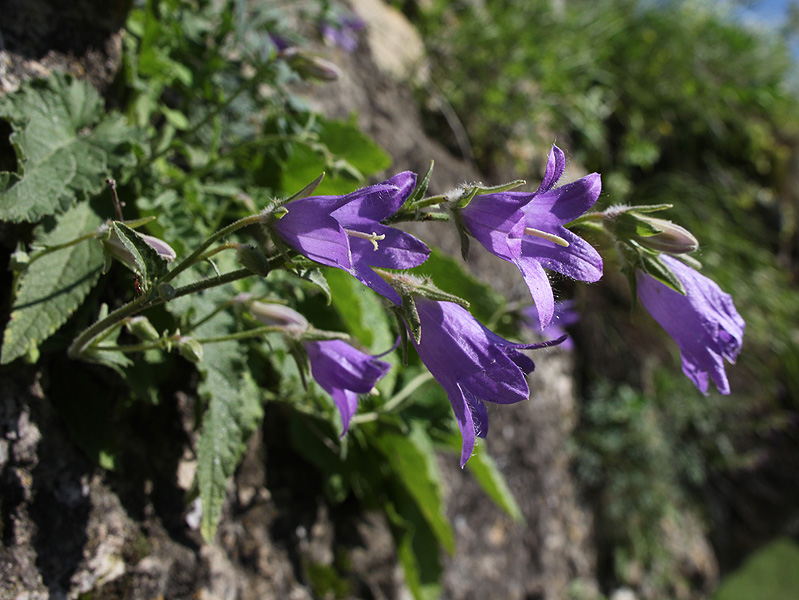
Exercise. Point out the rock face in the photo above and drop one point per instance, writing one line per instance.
(69, 528)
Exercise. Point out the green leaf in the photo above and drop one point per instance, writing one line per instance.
(491, 480)
(65, 147)
(354, 155)
(234, 411)
(149, 264)
(316, 277)
(54, 285)
(412, 459)
(652, 265)
(417, 550)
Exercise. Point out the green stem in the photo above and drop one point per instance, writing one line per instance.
(196, 256)
(50, 249)
(396, 401)
(82, 342)
(204, 284)
(429, 201)
(242, 335)
(594, 216)
(217, 250)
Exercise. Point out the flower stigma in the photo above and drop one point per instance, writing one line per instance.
(372, 237)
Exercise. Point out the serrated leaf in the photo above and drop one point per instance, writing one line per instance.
(412, 459)
(65, 147)
(149, 264)
(234, 411)
(54, 285)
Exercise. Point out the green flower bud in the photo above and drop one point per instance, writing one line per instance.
(143, 329)
(190, 349)
(279, 315)
(253, 259)
(166, 291)
(309, 65)
(671, 238)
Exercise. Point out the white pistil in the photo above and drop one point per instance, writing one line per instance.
(372, 237)
(550, 237)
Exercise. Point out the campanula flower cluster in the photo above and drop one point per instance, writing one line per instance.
(473, 364)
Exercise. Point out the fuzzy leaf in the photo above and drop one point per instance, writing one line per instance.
(234, 411)
(65, 147)
(55, 285)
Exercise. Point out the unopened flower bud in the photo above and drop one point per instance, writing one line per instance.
(279, 315)
(190, 349)
(143, 329)
(117, 249)
(310, 65)
(166, 291)
(672, 238)
(253, 259)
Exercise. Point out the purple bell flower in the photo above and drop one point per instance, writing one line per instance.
(343, 32)
(703, 322)
(344, 372)
(345, 232)
(527, 229)
(473, 365)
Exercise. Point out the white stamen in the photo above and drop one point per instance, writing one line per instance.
(550, 237)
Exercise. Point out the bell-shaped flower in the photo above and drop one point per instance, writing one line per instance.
(473, 365)
(346, 232)
(703, 322)
(344, 372)
(527, 229)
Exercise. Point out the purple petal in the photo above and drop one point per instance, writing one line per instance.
(347, 403)
(372, 280)
(463, 416)
(556, 164)
(343, 372)
(376, 202)
(564, 204)
(540, 289)
(579, 261)
(398, 250)
(309, 229)
(497, 222)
